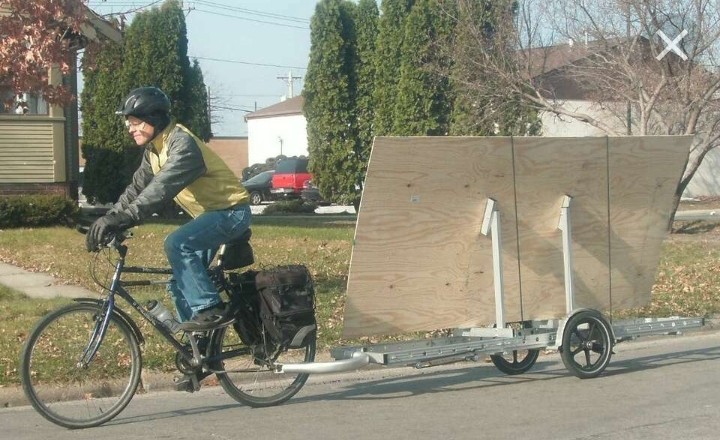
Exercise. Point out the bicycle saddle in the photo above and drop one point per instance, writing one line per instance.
(236, 253)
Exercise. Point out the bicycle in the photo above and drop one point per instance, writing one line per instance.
(81, 363)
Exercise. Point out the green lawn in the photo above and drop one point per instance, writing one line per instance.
(323, 245)
(687, 281)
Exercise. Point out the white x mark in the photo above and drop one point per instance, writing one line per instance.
(672, 45)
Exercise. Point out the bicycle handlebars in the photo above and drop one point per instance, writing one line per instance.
(115, 238)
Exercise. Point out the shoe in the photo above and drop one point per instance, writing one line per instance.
(216, 316)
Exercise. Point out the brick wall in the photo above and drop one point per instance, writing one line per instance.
(233, 150)
(16, 189)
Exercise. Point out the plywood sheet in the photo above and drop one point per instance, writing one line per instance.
(644, 173)
(546, 170)
(420, 262)
(419, 259)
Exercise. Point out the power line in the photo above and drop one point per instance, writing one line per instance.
(252, 19)
(234, 95)
(252, 12)
(246, 62)
(137, 7)
(123, 3)
(232, 108)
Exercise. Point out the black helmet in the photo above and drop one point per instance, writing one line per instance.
(145, 101)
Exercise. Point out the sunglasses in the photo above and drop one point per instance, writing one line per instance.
(135, 125)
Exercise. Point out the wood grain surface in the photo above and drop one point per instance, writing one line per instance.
(420, 261)
(644, 173)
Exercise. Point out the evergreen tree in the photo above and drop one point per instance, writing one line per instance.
(105, 142)
(198, 119)
(136, 68)
(391, 33)
(173, 63)
(366, 25)
(423, 101)
(154, 54)
(329, 94)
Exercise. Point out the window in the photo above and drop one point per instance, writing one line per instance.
(292, 165)
(22, 103)
(6, 100)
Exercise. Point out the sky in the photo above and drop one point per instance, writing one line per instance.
(243, 46)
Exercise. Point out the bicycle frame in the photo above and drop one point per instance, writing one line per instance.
(242, 356)
(109, 306)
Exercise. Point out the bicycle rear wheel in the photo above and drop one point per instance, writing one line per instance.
(248, 375)
(64, 389)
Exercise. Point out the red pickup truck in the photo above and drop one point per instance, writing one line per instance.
(290, 177)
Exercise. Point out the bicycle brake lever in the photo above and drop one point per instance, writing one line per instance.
(118, 238)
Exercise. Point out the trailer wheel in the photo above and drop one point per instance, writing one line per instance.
(586, 344)
(514, 364)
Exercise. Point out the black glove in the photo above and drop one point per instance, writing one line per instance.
(102, 228)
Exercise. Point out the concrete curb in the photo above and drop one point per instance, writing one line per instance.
(711, 215)
(153, 382)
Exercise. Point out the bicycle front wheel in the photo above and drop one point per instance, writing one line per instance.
(247, 373)
(60, 383)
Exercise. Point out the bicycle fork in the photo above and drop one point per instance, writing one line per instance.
(101, 324)
(103, 321)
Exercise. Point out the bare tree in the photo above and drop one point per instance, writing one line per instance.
(649, 66)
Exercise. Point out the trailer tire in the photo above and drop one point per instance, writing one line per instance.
(586, 344)
(518, 364)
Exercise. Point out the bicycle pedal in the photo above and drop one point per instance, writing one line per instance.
(184, 385)
(187, 383)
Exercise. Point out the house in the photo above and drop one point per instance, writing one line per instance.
(550, 69)
(39, 142)
(280, 129)
(552, 64)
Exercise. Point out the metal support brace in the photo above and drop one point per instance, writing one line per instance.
(491, 225)
(565, 226)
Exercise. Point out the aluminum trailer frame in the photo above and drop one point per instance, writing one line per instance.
(584, 332)
(469, 345)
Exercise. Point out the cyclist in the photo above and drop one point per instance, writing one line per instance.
(177, 164)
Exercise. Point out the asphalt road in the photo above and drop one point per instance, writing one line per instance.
(654, 387)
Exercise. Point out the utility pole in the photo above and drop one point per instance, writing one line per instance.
(209, 104)
(289, 80)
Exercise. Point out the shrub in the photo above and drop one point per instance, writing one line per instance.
(291, 207)
(37, 210)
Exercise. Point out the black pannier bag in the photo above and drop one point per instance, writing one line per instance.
(245, 300)
(287, 304)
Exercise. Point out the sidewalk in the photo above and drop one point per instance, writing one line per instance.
(38, 284)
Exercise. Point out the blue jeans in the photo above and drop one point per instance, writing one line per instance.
(191, 248)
